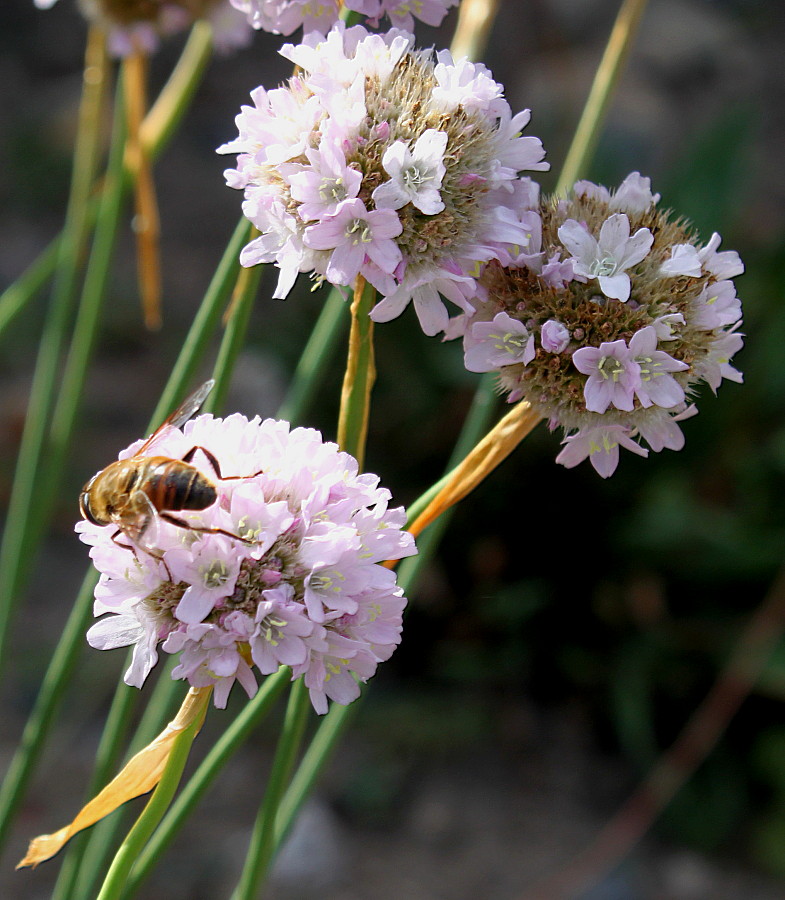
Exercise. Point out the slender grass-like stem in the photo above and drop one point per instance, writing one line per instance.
(91, 304)
(225, 747)
(359, 376)
(587, 134)
(475, 20)
(147, 226)
(15, 550)
(19, 295)
(157, 805)
(241, 305)
(263, 844)
(157, 129)
(315, 358)
(39, 723)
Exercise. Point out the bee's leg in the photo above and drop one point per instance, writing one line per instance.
(203, 529)
(120, 544)
(157, 556)
(216, 465)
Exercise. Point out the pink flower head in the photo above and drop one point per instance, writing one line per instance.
(129, 29)
(377, 160)
(285, 568)
(616, 365)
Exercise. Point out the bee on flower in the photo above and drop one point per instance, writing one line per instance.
(283, 568)
(608, 321)
(377, 160)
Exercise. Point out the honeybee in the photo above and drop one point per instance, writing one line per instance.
(135, 493)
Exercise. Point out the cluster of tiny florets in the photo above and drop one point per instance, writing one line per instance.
(607, 320)
(378, 161)
(286, 16)
(300, 585)
(133, 25)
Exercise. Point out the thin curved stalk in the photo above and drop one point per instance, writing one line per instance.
(157, 805)
(262, 846)
(668, 775)
(157, 129)
(39, 723)
(315, 357)
(359, 376)
(15, 548)
(592, 120)
(225, 747)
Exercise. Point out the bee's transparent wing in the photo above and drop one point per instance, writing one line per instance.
(143, 527)
(189, 407)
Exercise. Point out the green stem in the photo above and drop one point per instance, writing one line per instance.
(158, 128)
(225, 747)
(359, 376)
(153, 812)
(263, 843)
(56, 680)
(27, 287)
(175, 98)
(91, 304)
(88, 855)
(315, 358)
(315, 758)
(234, 336)
(14, 550)
(587, 134)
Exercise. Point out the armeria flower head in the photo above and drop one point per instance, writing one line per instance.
(139, 24)
(285, 569)
(286, 16)
(377, 161)
(627, 313)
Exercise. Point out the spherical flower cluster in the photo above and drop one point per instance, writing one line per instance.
(300, 585)
(607, 321)
(286, 16)
(379, 162)
(140, 24)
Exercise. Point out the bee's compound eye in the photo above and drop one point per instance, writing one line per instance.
(84, 507)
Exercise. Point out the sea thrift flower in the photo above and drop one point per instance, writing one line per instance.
(286, 16)
(303, 588)
(139, 24)
(628, 313)
(376, 160)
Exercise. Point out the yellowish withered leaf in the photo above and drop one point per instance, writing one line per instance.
(140, 775)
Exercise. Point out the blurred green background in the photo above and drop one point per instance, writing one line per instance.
(569, 625)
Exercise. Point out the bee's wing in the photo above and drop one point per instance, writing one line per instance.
(189, 407)
(142, 526)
